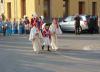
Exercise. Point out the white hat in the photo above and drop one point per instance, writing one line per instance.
(42, 17)
(43, 26)
(25, 16)
(34, 15)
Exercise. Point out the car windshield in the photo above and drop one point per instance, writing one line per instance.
(83, 18)
(70, 18)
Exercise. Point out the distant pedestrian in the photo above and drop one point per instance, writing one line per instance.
(96, 27)
(4, 30)
(32, 21)
(91, 25)
(8, 27)
(77, 24)
(26, 24)
(41, 20)
(14, 27)
(1, 23)
(21, 27)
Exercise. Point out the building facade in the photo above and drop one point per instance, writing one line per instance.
(1, 6)
(50, 8)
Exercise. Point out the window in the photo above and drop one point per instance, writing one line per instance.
(66, 7)
(69, 18)
(39, 2)
(9, 9)
(81, 7)
(94, 8)
(23, 8)
(47, 9)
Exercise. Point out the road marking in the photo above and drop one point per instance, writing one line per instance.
(87, 47)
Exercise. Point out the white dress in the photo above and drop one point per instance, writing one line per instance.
(47, 41)
(54, 31)
(32, 33)
(53, 37)
(34, 37)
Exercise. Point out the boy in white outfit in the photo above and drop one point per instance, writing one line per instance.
(47, 37)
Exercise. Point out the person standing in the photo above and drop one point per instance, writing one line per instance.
(91, 25)
(1, 23)
(27, 23)
(96, 27)
(21, 27)
(4, 30)
(8, 27)
(14, 26)
(77, 24)
(32, 21)
(41, 20)
(46, 37)
(54, 29)
(34, 37)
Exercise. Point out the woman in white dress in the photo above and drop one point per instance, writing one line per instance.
(54, 29)
(34, 37)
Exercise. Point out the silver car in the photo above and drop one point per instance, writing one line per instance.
(68, 24)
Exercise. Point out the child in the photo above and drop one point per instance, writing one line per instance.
(47, 37)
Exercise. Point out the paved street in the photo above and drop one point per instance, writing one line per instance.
(77, 53)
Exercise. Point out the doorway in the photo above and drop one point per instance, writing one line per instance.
(23, 8)
(94, 8)
(81, 7)
(47, 9)
(66, 7)
(9, 10)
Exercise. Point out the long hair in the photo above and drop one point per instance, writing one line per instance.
(55, 21)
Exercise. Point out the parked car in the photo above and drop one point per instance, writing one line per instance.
(68, 24)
